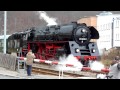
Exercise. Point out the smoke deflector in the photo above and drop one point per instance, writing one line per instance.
(94, 33)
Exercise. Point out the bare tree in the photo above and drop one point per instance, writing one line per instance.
(21, 20)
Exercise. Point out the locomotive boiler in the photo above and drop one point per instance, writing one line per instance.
(51, 42)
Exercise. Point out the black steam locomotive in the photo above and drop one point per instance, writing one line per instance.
(51, 42)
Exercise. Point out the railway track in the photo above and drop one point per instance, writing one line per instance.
(53, 72)
(46, 69)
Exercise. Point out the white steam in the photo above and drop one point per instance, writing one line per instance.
(50, 21)
(96, 66)
(101, 76)
(69, 60)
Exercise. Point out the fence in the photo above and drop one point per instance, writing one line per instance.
(8, 61)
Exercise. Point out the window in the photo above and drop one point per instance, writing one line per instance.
(118, 23)
(109, 26)
(101, 27)
(115, 23)
(118, 36)
(104, 27)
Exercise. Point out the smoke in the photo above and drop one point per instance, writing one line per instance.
(69, 60)
(101, 76)
(96, 66)
(50, 21)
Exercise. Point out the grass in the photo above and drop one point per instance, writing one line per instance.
(106, 62)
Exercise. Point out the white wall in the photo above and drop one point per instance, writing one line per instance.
(104, 26)
(116, 33)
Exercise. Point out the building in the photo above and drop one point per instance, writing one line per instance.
(116, 32)
(90, 21)
(108, 26)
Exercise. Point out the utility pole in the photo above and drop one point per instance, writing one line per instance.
(5, 27)
(112, 41)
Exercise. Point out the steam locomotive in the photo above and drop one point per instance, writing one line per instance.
(51, 42)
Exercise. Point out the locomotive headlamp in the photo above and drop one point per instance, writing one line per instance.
(83, 30)
(77, 50)
(17, 49)
(93, 50)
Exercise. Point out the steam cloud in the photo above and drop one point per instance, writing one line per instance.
(96, 66)
(50, 21)
(69, 60)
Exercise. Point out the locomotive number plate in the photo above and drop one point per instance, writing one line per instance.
(82, 38)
